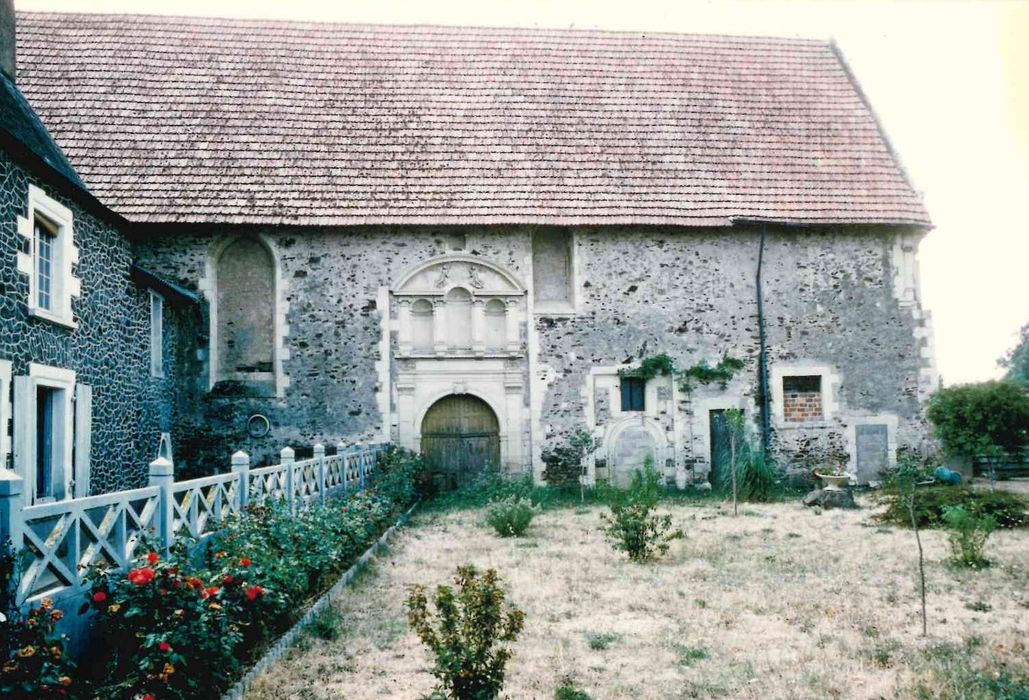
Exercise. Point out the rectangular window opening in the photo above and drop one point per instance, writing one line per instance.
(46, 244)
(633, 394)
(156, 335)
(802, 398)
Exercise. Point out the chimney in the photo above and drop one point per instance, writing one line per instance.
(8, 49)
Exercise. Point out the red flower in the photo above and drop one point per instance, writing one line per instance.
(210, 592)
(164, 646)
(194, 582)
(152, 558)
(99, 597)
(245, 562)
(148, 696)
(254, 592)
(228, 580)
(141, 577)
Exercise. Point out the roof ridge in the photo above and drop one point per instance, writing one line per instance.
(470, 28)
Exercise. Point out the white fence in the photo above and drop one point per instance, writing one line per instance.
(62, 539)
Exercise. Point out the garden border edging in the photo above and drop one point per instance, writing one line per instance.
(276, 651)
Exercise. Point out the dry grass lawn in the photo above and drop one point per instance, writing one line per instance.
(776, 603)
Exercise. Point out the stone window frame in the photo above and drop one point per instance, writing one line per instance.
(627, 381)
(156, 335)
(6, 368)
(552, 308)
(829, 380)
(71, 434)
(65, 284)
(208, 285)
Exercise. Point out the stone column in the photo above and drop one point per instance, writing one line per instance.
(512, 317)
(439, 325)
(478, 326)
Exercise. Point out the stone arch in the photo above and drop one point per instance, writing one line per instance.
(422, 324)
(628, 442)
(458, 309)
(442, 273)
(496, 324)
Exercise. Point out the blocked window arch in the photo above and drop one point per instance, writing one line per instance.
(496, 324)
(459, 318)
(422, 324)
(243, 315)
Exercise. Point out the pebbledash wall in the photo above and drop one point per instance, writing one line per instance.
(108, 351)
(840, 304)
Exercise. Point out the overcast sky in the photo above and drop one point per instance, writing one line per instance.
(949, 80)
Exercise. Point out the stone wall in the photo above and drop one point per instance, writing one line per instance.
(108, 351)
(831, 299)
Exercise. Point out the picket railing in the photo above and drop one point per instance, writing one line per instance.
(63, 539)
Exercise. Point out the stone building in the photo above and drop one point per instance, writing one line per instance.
(465, 240)
(83, 396)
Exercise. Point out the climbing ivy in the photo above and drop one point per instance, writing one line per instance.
(702, 372)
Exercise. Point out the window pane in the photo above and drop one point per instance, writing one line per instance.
(45, 239)
(633, 394)
(156, 335)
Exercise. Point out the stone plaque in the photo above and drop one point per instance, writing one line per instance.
(627, 454)
(872, 451)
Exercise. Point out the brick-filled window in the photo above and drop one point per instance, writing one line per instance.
(802, 399)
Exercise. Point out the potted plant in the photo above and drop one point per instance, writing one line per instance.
(833, 478)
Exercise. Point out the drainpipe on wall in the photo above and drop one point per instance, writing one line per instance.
(763, 352)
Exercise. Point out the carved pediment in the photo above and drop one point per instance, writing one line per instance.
(439, 275)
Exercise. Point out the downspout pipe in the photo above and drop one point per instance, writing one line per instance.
(763, 350)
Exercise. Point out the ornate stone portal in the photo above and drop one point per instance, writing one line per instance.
(460, 321)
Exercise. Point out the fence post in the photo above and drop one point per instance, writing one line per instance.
(286, 459)
(162, 475)
(360, 465)
(241, 468)
(341, 450)
(319, 454)
(11, 504)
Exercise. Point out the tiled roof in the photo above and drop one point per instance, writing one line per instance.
(218, 120)
(22, 124)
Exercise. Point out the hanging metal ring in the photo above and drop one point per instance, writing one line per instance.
(258, 426)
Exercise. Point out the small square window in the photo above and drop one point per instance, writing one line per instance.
(807, 384)
(633, 394)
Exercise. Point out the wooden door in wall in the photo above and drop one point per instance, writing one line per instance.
(461, 438)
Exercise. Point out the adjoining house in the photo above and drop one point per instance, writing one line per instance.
(460, 239)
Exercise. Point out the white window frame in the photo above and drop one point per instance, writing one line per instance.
(156, 335)
(67, 418)
(5, 411)
(829, 379)
(64, 285)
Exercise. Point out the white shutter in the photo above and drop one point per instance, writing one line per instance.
(24, 421)
(83, 439)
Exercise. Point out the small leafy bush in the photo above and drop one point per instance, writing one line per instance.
(1010, 510)
(569, 691)
(511, 516)
(975, 419)
(632, 526)
(401, 476)
(967, 534)
(466, 632)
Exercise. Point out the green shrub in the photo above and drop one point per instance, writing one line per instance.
(632, 526)
(568, 691)
(401, 476)
(974, 419)
(756, 475)
(465, 633)
(968, 534)
(1010, 510)
(511, 516)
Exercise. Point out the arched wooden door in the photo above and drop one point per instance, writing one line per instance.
(461, 437)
